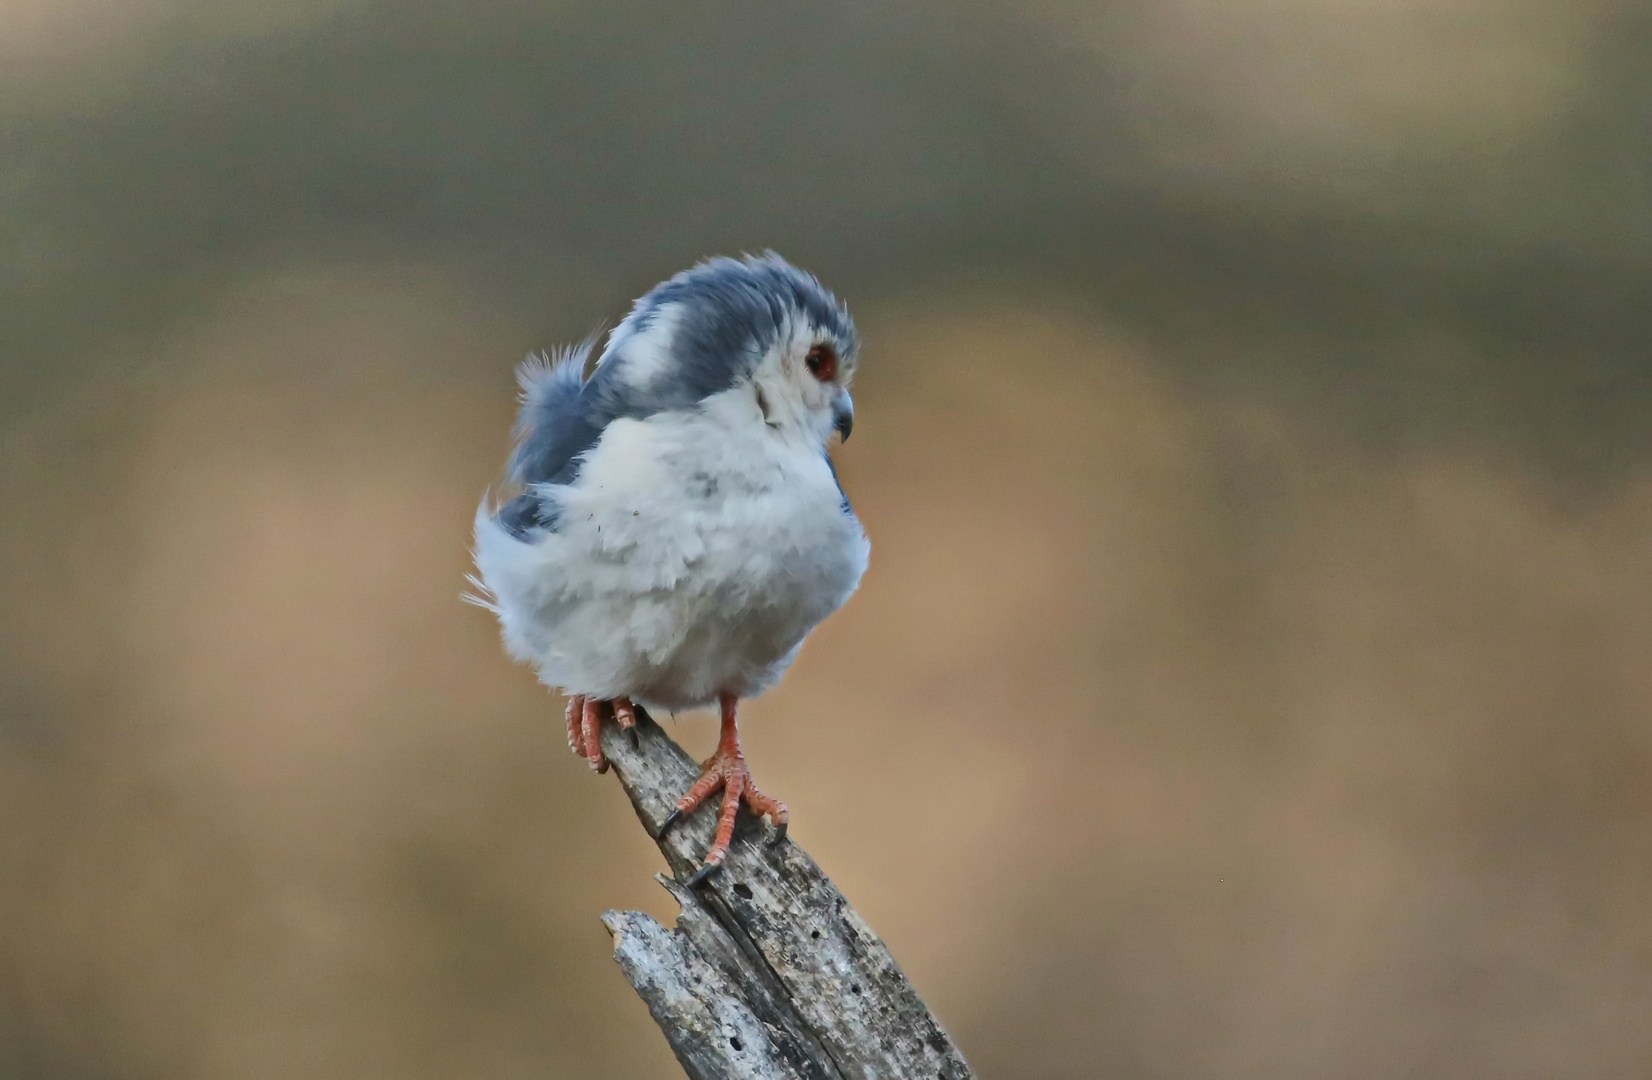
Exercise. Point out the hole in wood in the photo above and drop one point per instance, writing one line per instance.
(815, 934)
(735, 1042)
(742, 890)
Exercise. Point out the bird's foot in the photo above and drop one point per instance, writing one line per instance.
(585, 727)
(726, 769)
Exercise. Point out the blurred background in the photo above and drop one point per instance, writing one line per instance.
(1254, 438)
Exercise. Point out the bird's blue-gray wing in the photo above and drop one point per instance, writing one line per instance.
(842, 495)
(555, 427)
(563, 415)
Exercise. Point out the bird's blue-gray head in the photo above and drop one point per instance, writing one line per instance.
(758, 324)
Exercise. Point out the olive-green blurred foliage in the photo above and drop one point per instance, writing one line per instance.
(1252, 680)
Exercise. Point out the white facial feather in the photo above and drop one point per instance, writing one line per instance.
(794, 400)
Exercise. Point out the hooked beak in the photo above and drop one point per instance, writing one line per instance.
(843, 414)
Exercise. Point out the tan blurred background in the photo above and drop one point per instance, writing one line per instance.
(1254, 439)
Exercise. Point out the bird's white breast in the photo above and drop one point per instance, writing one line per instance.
(691, 557)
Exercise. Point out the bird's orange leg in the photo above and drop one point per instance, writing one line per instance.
(726, 769)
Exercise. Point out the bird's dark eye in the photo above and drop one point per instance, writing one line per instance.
(822, 363)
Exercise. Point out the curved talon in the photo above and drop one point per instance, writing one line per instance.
(778, 836)
(671, 819)
(703, 874)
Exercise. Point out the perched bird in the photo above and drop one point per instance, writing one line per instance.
(681, 528)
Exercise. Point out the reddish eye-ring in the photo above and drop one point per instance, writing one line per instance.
(822, 363)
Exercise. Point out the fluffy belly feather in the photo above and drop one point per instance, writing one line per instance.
(673, 589)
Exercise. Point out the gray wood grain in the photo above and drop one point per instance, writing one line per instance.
(783, 943)
(711, 1029)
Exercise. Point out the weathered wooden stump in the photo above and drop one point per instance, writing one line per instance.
(769, 972)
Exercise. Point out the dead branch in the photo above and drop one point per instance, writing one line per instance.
(769, 973)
